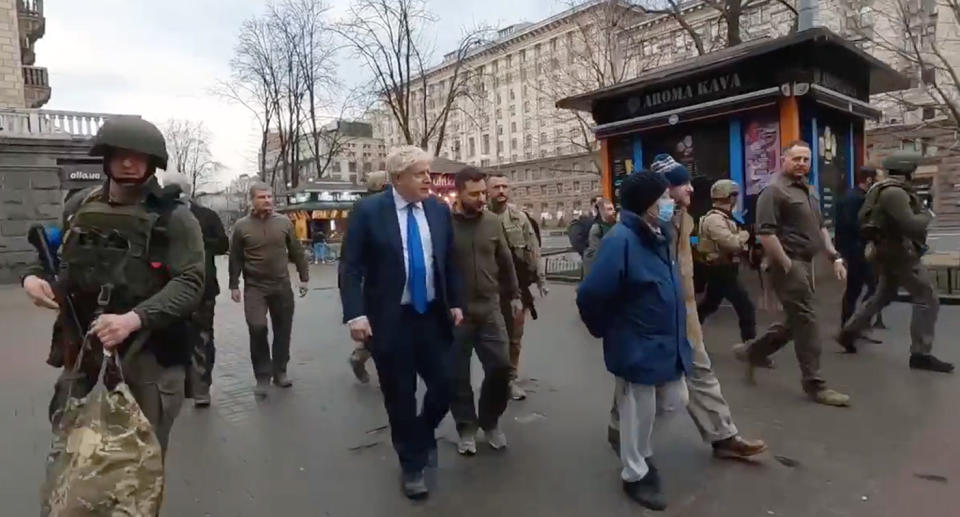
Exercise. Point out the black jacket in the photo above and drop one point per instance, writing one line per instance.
(850, 243)
(215, 242)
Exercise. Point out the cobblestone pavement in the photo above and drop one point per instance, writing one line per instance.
(321, 448)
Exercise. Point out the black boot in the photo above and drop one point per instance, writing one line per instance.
(846, 340)
(646, 491)
(929, 362)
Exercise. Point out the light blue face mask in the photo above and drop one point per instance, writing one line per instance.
(665, 209)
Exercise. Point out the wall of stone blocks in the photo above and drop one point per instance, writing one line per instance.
(11, 73)
(28, 195)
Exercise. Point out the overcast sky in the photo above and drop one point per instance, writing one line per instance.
(159, 59)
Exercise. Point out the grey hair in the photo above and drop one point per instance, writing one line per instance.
(402, 157)
(258, 186)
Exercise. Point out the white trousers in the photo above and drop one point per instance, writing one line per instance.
(639, 405)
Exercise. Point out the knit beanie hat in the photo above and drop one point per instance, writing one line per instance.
(642, 189)
(676, 173)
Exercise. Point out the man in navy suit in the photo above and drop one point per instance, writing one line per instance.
(401, 296)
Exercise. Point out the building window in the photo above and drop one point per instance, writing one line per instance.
(499, 130)
(499, 146)
(512, 94)
(559, 188)
(352, 166)
(908, 145)
(929, 112)
(367, 167)
(527, 141)
(513, 146)
(543, 137)
(335, 166)
(485, 144)
(523, 56)
(576, 186)
(472, 146)
(526, 106)
(513, 110)
(543, 190)
(929, 76)
(513, 127)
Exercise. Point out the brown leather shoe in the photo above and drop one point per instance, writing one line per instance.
(736, 447)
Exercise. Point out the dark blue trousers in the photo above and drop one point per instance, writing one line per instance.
(417, 347)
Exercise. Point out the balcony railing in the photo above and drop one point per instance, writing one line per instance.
(27, 123)
(33, 7)
(36, 86)
(35, 76)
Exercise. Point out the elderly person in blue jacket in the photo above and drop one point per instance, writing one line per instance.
(633, 299)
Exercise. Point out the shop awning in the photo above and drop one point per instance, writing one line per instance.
(845, 103)
(725, 106)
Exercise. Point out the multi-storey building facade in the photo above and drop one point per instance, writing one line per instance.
(22, 85)
(355, 152)
(508, 120)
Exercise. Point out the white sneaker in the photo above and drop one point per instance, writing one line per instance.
(516, 392)
(467, 446)
(496, 438)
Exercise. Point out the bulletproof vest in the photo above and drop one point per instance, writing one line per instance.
(873, 225)
(708, 248)
(113, 255)
(512, 221)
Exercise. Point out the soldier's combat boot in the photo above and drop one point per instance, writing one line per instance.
(929, 362)
(847, 341)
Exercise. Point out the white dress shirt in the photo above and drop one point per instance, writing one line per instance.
(425, 242)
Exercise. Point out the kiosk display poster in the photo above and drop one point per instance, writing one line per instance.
(761, 149)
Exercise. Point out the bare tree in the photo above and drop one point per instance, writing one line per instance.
(283, 71)
(731, 12)
(388, 36)
(254, 83)
(905, 33)
(188, 144)
(602, 51)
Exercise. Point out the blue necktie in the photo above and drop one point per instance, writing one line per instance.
(417, 275)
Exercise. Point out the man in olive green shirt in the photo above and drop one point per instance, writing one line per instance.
(486, 266)
(525, 250)
(262, 245)
(791, 231)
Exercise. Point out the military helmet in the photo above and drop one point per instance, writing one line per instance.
(723, 189)
(134, 134)
(901, 162)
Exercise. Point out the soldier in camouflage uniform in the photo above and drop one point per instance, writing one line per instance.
(894, 223)
(723, 244)
(215, 242)
(525, 248)
(132, 260)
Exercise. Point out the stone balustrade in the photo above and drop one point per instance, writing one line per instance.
(51, 124)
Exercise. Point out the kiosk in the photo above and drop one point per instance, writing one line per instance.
(728, 114)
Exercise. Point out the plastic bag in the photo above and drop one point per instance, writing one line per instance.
(104, 458)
